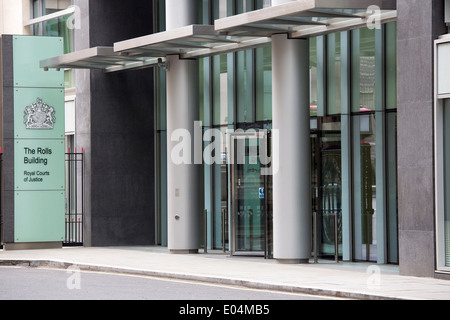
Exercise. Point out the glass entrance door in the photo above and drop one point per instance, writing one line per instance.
(251, 203)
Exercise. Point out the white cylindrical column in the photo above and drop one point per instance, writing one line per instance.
(180, 13)
(291, 183)
(184, 175)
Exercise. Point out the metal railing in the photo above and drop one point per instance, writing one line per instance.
(74, 216)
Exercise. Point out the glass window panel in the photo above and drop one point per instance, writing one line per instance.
(36, 9)
(220, 187)
(443, 81)
(201, 96)
(68, 78)
(391, 65)
(330, 187)
(51, 28)
(363, 70)
(364, 184)
(52, 6)
(313, 76)
(244, 6)
(203, 12)
(161, 99)
(66, 33)
(263, 4)
(220, 90)
(160, 16)
(162, 185)
(37, 12)
(244, 86)
(222, 8)
(334, 73)
(391, 185)
(263, 80)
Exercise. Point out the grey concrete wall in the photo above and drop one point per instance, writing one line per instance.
(419, 23)
(115, 125)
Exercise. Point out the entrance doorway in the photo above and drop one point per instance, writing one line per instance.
(251, 194)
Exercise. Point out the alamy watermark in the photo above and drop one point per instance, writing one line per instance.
(374, 279)
(186, 149)
(74, 20)
(74, 280)
(373, 14)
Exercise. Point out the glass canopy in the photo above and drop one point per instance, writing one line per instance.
(299, 19)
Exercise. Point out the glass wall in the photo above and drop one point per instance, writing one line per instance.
(360, 78)
(353, 132)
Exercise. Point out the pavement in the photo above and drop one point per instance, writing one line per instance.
(344, 280)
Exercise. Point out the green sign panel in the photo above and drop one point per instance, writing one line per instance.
(38, 216)
(39, 165)
(39, 113)
(39, 160)
(28, 52)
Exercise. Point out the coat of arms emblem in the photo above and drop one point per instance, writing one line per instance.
(39, 116)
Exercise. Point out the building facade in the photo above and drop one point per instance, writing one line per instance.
(292, 130)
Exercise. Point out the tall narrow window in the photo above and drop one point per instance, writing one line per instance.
(313, 61)
(391, 187)
(263, 80)
(364, 184)
(363, 70)
(220, 90)
(334, 74)
(391, 65)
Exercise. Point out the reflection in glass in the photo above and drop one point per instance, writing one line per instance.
(249, 215)
(391, 65)
(263, 78)
(364, 162)
(334, 73)
(313, 76)
(220, 90)
(244, 86)
(363, 70)
(327, 185)
(252, 205)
